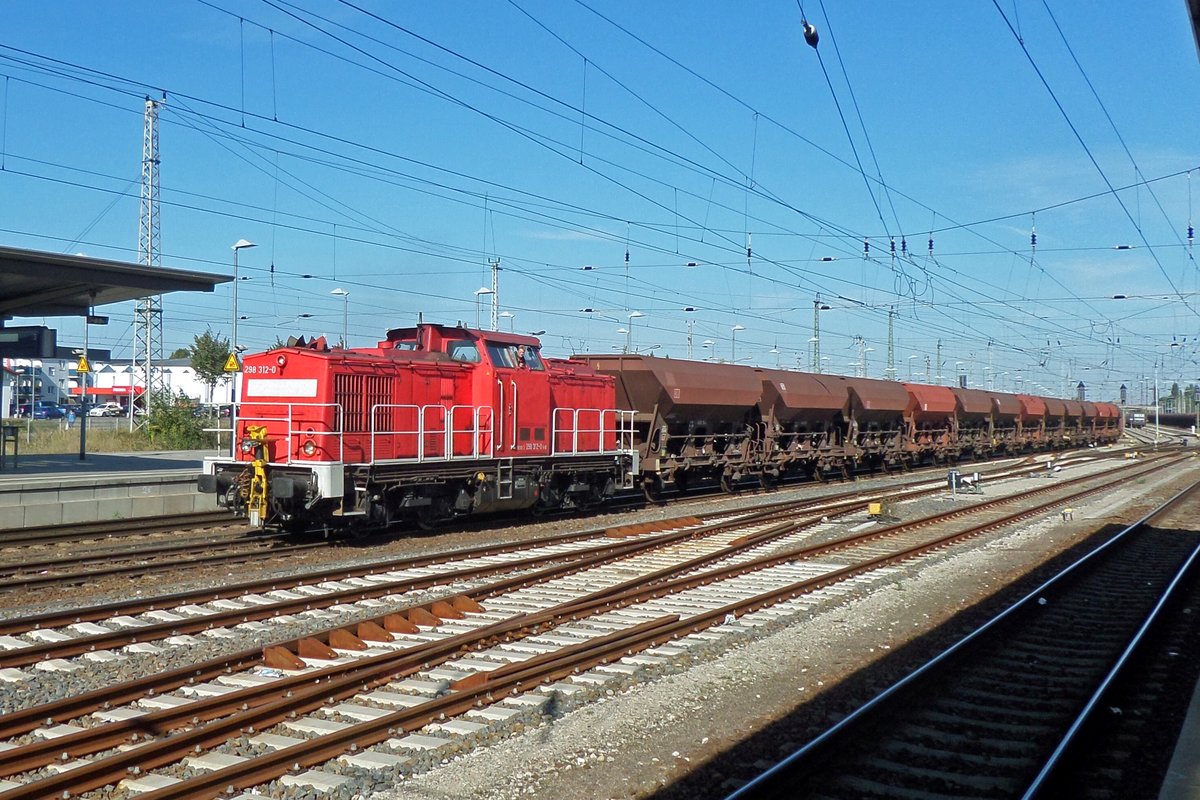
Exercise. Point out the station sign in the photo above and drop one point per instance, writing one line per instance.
(31, 341)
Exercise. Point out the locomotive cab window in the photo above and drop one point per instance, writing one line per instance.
(533, 359)
(463, 350)
(513, 356)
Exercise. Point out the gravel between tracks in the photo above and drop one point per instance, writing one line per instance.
(665, 738)
(631, 742)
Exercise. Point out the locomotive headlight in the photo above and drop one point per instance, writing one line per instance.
(281, 360)
(310, 447)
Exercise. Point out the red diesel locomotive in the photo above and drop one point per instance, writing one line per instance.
(433, 422)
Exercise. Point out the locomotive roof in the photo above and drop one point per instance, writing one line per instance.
(453, 331)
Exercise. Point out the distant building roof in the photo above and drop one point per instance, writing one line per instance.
(37, 284)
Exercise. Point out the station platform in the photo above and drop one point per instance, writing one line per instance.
(62, 489)
(1182, 781)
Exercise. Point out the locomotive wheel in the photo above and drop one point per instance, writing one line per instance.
(588, 500)
(652, 487)
(426, 520)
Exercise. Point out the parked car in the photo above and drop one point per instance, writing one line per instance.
(109, 409)
(42, 409)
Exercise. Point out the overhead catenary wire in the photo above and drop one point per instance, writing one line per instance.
(273, 114)
(1104, 176)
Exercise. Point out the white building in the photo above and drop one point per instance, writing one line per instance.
(57, 380)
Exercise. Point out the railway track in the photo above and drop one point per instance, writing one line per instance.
(179, 614)
(245, 546)
(1034, 702)
(80, 532)
(463, 665)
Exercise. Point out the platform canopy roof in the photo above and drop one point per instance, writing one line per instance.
(1194, 11)
(38, 284)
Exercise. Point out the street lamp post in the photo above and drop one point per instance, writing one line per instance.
(1156, 428)
(510, 316)
(240, 244)
(479, 293)
(342, 293)
(629, 333)
(733, 342)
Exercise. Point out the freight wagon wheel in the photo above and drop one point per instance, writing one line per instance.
(728, 484)
(652, 487)
(818, 474)
(681, 481)
(768, 480)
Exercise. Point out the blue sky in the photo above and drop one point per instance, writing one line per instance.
(394, 149)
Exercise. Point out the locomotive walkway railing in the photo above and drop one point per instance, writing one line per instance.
(578, 431)
(316, 429)
(410, 433)
(401, 433)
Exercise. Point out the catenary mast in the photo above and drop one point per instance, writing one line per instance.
(147, 320)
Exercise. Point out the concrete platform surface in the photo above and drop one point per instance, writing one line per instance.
(61, 489)
(30, 465)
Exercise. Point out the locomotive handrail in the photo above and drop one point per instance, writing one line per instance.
(622, 428)
(479, 426)
(293, 431)
(513, 440)
(500, 408)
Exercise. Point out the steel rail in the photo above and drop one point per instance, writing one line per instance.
(487, 688)
(29, 655)
(753, 788)
(584, 607)
(1051, 763)
(57, 534)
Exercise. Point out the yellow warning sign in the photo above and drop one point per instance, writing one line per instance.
(232, 365)
(83, 365)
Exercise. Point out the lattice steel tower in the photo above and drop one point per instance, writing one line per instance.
(147, 320)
